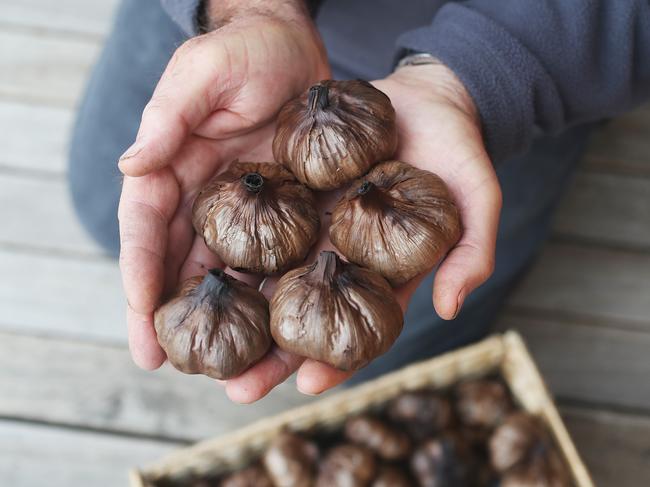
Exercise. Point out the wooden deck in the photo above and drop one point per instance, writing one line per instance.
(74, 411)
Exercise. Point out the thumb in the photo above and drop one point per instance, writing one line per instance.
(180, 102)
(472, 261)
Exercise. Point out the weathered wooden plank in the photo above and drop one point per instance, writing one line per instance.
(588, 363)
(623, 145)
(34, 456)
(64, 296)
(99, 387)
(610, 286)
(43, 67)
(607, 208)
(66, 15)
(34, 136)
(614, 446)
(42, 215)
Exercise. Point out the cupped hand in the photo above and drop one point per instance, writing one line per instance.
(439, 131)
(215, 102)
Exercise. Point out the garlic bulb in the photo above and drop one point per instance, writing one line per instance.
(444, 461)
(515, 439)
(378, 436)
(335, 312)
(391, 476)
(484, 403)
(215, 325)
(290, 461)
(546, 470)
(397, 220)
(422, 413)
(257, 217)
(335, 132)
(347, 466)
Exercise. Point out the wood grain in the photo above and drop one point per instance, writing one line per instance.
(607, 209)
(590, 364)
(61, 296)
(99, 387)
(37, 456)
(43, 216)
(609, 286)
(614, 446)
(28, 70)
(70, 16)
(623, 144)
(34, 137)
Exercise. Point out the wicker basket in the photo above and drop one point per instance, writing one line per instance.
(505, 354)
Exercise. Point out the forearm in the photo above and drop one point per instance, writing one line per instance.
(197, 16)
(546, 64)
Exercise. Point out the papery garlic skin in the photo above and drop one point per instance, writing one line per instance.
(335, 312)
(513, 441)
(257, 218)
(347, 465)
(215, 325)
(386, 441)
(290, 460)
(397, 220)
(335, 132)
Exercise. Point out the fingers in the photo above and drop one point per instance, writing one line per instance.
(471, 262)
(258, 381)
(146, 206)
(316, 377)
(143, 344)
(184, 97)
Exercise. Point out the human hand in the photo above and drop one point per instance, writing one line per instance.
(215, 102)
(439, 131)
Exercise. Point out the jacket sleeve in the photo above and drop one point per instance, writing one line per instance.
(186, 13)
(545, 64)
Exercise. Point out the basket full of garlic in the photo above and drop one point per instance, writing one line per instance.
(419, 426)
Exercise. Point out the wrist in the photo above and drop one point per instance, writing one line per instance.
(436, 78)
(214, 14)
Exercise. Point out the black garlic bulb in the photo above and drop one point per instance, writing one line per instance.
(257, 217)
(335, 132)
(397, 220)
(214, 325)
(519, 437)
(544, 470)
(484, 403)
(445, 461)
(390, 476)
(253, 476)
(347, 466)
(422, 413)
(290, 461)
(335, 312)
(385, 441)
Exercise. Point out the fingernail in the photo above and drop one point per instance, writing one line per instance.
(132, 151)
(312, 394)
(459, 304)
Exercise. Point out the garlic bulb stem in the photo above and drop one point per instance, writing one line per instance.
(318, 97)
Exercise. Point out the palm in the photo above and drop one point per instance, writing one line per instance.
(441, 137)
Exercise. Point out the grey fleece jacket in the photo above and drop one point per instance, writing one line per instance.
(528, 64)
